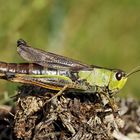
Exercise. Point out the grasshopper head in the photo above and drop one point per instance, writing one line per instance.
(117, 80)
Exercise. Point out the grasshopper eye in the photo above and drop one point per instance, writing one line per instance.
(119, 75)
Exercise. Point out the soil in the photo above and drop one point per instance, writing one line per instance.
(70, 116)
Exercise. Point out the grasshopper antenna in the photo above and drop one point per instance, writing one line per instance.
(134, 70)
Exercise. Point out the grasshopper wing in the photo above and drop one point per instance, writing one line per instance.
(47, 59)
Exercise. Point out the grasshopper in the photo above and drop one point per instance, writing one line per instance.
(56, 72)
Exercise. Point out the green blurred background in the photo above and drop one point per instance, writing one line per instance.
(99, 32)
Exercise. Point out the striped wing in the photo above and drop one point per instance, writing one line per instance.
(47, 59)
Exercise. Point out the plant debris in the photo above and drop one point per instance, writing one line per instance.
(70, 116)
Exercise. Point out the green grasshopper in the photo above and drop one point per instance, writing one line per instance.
(56, 72)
